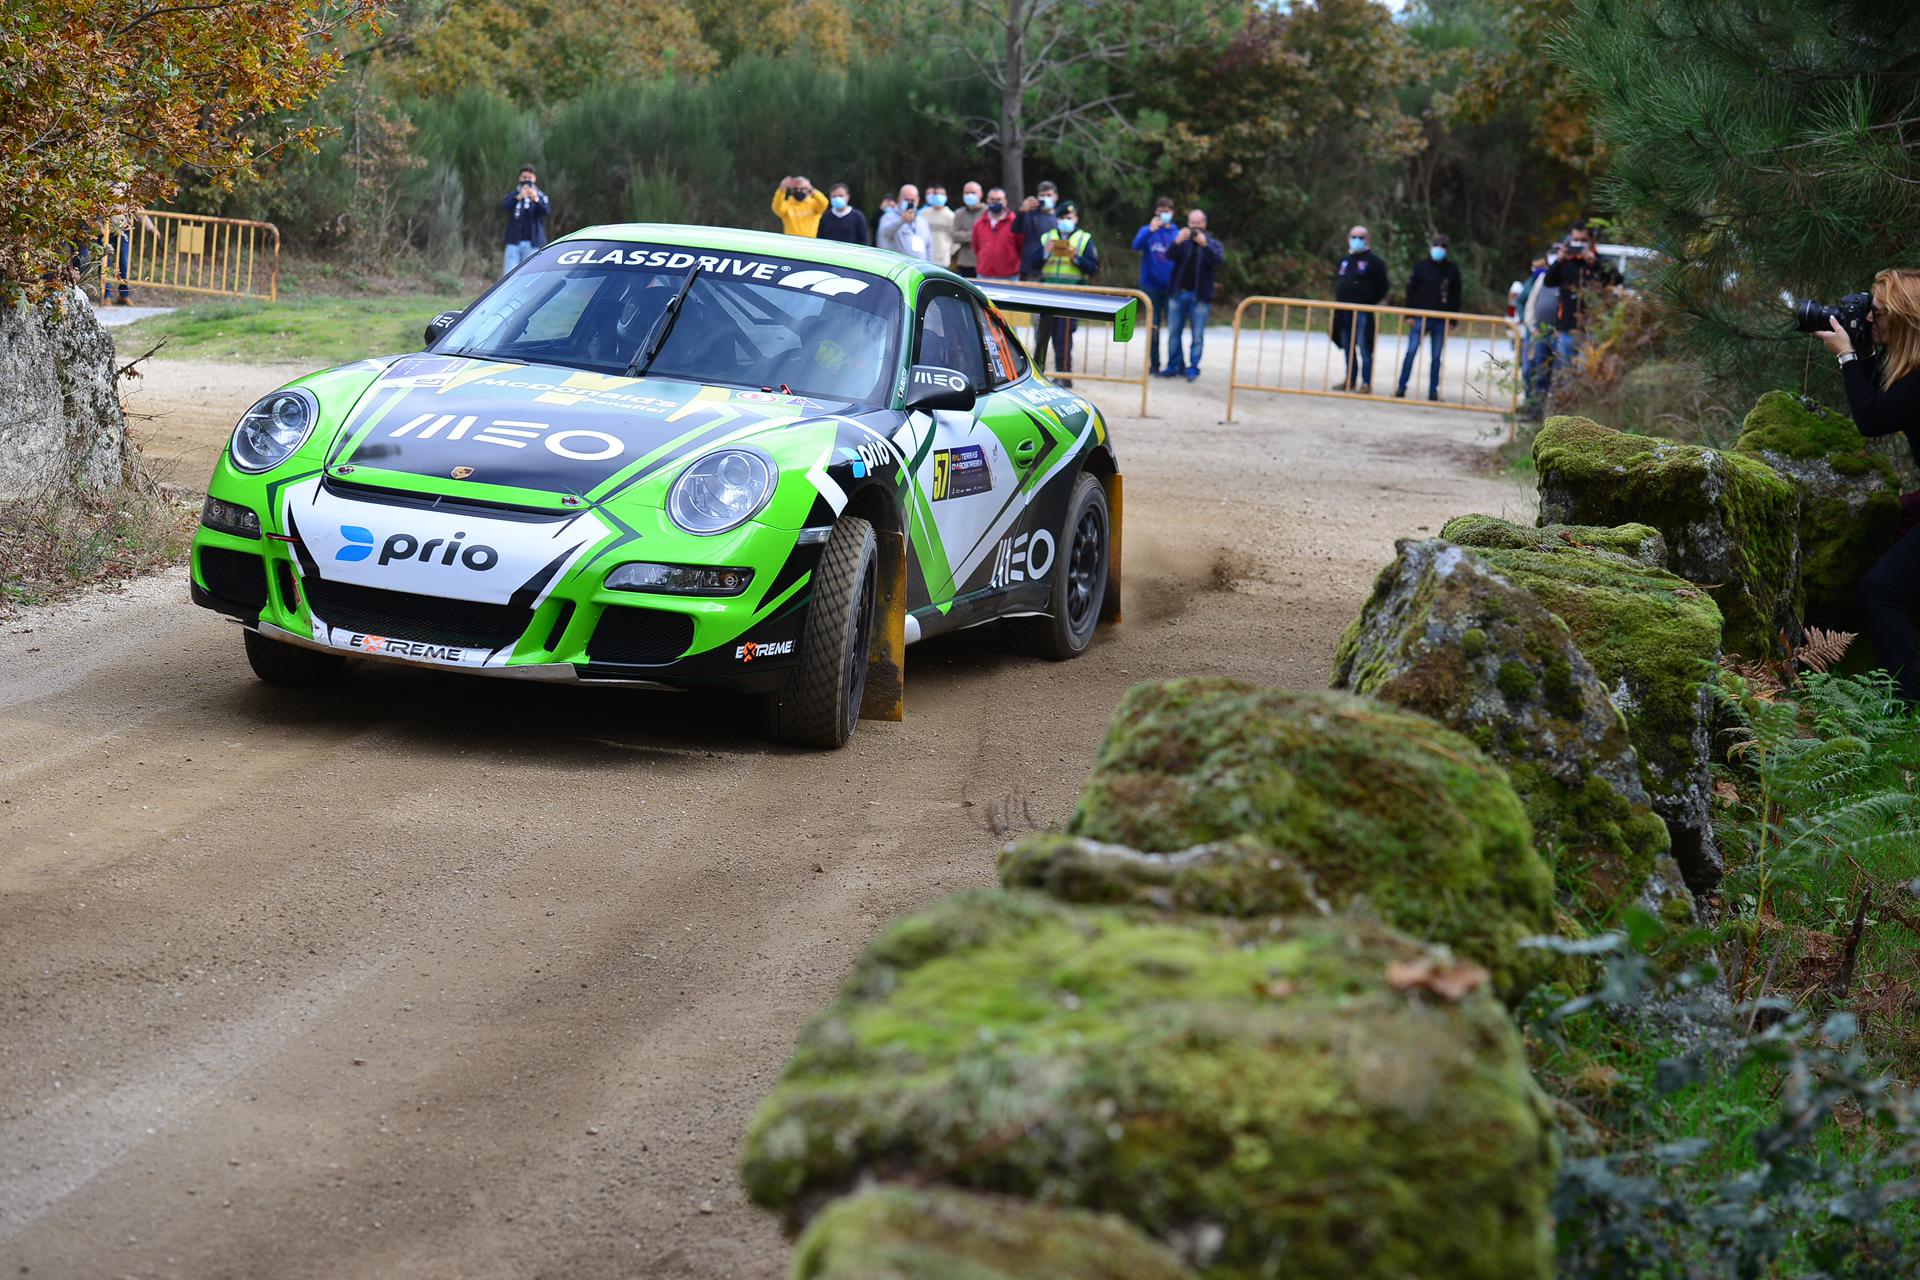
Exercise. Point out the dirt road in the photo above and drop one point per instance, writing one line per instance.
(435, 976)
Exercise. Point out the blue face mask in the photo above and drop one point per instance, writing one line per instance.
(1356, 245)
(838, 202)
(937, 199)
(1067, 225)
(969, 199)
(1439, 254)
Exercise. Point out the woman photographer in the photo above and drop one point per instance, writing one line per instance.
(1883, 394)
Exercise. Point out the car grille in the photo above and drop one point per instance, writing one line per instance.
(236, 576)
(643, 637)
(401, 615)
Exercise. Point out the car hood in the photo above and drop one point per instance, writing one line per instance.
(501, 425)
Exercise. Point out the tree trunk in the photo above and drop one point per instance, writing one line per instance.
(1013, 142)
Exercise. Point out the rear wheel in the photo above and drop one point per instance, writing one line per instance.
(821, 703)
(288, 664)
(1079, 574)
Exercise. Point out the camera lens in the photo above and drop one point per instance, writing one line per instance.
(1810, 316)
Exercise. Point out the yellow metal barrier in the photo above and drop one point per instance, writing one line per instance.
(231, 257)
(1085, 350)
(1480, 364)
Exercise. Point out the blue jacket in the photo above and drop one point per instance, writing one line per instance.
(526, 220)
(1033, 225)
(1193, 267)
(1151, 242)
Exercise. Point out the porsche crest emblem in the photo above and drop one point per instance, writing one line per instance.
(461, 473)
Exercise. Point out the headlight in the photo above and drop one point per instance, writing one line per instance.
(679, 579)
(721, 491)
(229, 517)
(273, 429)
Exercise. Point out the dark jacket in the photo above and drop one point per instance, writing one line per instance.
(1879, 411)
(1572, 277)
(1032, 226)
(1193, 267)
(849, 227)
(1361, 277)
(526, 219)
(1434, 286)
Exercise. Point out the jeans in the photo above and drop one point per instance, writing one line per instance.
(1185, 311)
(123, 255)
(1359, 345)
(1436, 331)
(518, 251)
(1159, 299)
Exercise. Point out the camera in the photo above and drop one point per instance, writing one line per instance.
(1810, 316)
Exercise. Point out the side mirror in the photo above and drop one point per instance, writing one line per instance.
(440, 324)
(931, 387)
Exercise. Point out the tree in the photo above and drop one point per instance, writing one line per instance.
(104, 103)
(1761, 146)
(1064, 71)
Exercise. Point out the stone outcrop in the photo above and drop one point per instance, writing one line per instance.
(1729, 520)
(938, 1233)
(61, 426)
(1653, 640)
(1242, 877)
(1326, 1092)
(1447, 635)
(1849, 496)
(1373, 802)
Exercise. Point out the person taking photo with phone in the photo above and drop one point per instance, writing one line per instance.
(526, 207)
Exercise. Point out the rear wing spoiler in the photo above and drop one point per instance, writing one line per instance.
(1064, 304)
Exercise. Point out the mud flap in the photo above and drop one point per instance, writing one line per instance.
(885, 698)
(1115, 488)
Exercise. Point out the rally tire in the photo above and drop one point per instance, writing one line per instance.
(821, 703)
(287, 664)
(1078, 577)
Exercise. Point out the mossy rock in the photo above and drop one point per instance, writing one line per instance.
(1446, 635)
(939, 1233)
(1240, 877)
(1653, 640)
(1731, 522)
(1373, 801)
(1243, 1092)
(1849, 497)
(1640, 543)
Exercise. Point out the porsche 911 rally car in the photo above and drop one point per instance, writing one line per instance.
(680, 457)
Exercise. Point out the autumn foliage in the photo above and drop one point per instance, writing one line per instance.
(106, 103)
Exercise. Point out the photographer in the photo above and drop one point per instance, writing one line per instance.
(1883, 395)
(798, 206)
(526, 207)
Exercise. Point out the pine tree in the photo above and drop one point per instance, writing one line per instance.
(1765, 147)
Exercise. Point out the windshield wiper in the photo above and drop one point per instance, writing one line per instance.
(643, 358)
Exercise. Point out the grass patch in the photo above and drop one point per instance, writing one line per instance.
(319, 331)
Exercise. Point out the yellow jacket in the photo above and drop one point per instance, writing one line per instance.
(799, 217)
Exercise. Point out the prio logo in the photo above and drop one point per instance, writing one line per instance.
(764, 649)
(404, 546)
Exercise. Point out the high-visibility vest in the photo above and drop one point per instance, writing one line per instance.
(1063, 268)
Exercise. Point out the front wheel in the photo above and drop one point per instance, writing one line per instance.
(821, 703)
(1079, 574)
(277, 662)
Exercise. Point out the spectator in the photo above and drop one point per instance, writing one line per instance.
(843, 222)
(970, 211)
(120, 241)
(1151, 242)
(1194, 258)
(1536, 332)
(1036, 219)
(1361, 278)
(888, 204)
(996, 242)
(798, 206)
(938, 220)
(900, 227)
(1433, 286)
(1578, 272)
(1067, 256)
(526, 207)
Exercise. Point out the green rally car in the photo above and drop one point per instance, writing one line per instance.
(680, 457)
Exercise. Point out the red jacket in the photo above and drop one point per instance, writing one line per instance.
(996, 250)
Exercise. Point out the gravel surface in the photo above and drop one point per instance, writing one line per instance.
(440, 976)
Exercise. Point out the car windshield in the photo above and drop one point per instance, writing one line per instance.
(748, 320)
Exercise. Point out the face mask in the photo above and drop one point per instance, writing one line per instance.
(1438, 253)
(937, 200)
(997, 208)
(1356, 245)
(1046, 202)
(1067, 225)
(969, 199)
(838, 202)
